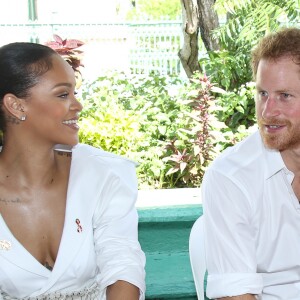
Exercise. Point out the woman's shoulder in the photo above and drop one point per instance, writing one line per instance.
(97, 154)
(97, 161)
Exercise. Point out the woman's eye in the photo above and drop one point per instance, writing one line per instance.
(67, 94)
(64, 95)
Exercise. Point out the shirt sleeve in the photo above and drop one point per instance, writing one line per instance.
(229, 238)
(119, 255)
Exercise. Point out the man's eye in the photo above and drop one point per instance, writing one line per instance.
(285, 95)
(263, 94)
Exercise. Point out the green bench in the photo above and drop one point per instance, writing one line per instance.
(164, 237)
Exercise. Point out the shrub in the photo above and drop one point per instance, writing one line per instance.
(132, 115)
(168, 125)
(104, 121)
(193, 148)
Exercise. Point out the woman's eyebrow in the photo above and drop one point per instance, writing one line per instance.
(63, 84)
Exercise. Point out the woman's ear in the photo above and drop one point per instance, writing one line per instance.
(14, 106)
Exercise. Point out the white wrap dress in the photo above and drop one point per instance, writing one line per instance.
(99, 243)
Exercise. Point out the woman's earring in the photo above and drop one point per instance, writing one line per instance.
(23, 118)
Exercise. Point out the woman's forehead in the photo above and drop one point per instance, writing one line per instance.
(60, 70)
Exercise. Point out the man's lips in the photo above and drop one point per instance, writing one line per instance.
(273, 127)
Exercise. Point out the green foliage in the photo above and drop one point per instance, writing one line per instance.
(173, 129)
(192, 149)
(249, 20)
(163, 123)
(231, 71)
(230, 67)
(152, 97)
(156, 9)
(237, 107)
(105, 123)
(133, 116)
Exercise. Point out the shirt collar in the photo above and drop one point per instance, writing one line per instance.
(274, 162)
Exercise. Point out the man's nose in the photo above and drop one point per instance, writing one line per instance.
(270, 108)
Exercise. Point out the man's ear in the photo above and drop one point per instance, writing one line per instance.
(13, 105)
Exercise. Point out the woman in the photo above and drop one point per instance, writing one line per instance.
(68, 223)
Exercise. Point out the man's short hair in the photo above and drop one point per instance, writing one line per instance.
(284, 42)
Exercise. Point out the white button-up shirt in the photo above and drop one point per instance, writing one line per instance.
(252, 224)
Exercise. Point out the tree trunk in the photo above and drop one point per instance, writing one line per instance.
(208, 21)
(196, 14)
(190, 21)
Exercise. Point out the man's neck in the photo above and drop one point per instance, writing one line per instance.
(291, 159)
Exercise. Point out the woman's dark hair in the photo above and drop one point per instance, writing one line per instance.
(21, 65)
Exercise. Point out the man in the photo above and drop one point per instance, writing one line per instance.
(251, 192)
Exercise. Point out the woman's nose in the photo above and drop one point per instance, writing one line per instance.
(76, 105)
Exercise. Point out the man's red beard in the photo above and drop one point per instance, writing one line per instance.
(279, 141)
